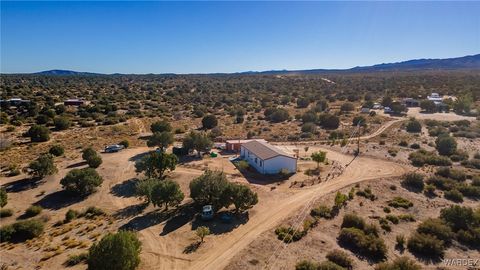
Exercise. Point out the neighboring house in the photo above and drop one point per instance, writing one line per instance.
(15, 102)
(387, 110)
(435, 97)
(365, 110)
(73, 102)
(410, 102)
(234, 145)
(377, 106)
(266, 158)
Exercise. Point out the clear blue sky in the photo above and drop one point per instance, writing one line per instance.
(202, 37)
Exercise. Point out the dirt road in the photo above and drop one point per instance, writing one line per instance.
(270, 213)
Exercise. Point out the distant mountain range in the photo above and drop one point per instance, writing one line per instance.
(458, 63)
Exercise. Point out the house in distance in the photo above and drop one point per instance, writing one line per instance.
(266, 158)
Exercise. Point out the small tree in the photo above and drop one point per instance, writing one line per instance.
(210, 188)
(42, 166)
(197, 141)
(3, 197)
(318, 157)
(428, 106)
(347, 107)
(38, 133)
(168, 193)
(61, 123)
(413, 181)
(414, 126)
(446, 145)
(209, 121)
(144, 188)
(94, 161)
(81, 181)
(56, 150)
(115, 251)
(201, 232)
(306, 149)
(156, 164)
(87, 153)
(161, 126)
(160, 139)
(242, 197)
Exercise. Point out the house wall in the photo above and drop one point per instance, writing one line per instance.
(274, 165)
(269, 166)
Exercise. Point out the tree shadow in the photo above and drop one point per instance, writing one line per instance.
(139, 156)
(76, 165)
(184, 216)
(126, 189)
(217, 227)
(23, 184)
(130, 211)
(59, 199)
(254, 177)
(192, 247)
(149, 219)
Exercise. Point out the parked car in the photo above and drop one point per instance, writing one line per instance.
(113, 148)
(207, 212)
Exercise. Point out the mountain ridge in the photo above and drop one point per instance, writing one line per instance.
(455, 63)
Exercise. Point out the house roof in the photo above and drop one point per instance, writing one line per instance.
(244, 141)
(263, 150)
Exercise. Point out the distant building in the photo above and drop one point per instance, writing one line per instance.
(377, 106)
(387, 110)
(365, 110)
(435, 97)
(234, 145)
(73, 102)
(266, 158)
(410, 102)
(15, 102)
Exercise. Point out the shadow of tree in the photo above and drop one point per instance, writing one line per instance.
(130, 211)
(23, 184)
(58, 200)
(139, 156)
(76, 165)
(125, 189)
(184, 216)
(217, 227)
(192, 247)
(149, 219)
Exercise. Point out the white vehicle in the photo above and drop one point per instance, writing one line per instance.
(113, 148)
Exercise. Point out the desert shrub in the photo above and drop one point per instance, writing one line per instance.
(209, 121)
(470, 191)
(397, 202)
(161, 126)
(22, 230)
(81, 181)
(451, 173)
(115, 251)
(472, 163)
(403, 143)
(437, 228)
(413, 181)
(340, 258)
(125, 143)
(426, 245)
(351, 220)
(422, 157)
(61, 123)
(321, 211)
(75, 259)
(38, 133)
(454, 195)
(3, 197)
(56, 150)
(93, 211)
(414, 126)
(328, 265)
(347, 107)
(446, 145)
(44, 165)
(306, 265)
(406, 217)
(415, 146)
(366, 244)
(71, 215)
(6, 212)
(442, 183)
(429, 190)
(289, 234)
(400, 241)
(367, 193)
(309, 127)
(384, 224)
(33, 210)
(401, 263)
(392, 218)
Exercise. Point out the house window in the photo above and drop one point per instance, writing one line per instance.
(256, 160)
(261, 163)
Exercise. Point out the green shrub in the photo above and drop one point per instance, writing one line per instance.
(351, 220)
(6, 212)
(454, 195)
(442, 183)
(61, 123)
(340, 258)
(437, 228)
(38, 133)
(3, 197)
(71, 215)
(306, 265)
(426, 245)
(422, 157)
(75, 259)
(454, 174)
(93, 211)
(469, 191)
(22, 230)
(397, 202)
(393, 219)
(406, 217)
(94, 161)
(413, 181)
(414, 126)
(33, 210)
(81, 181)
(289, 234)
(366, 244)
(120, 251)
(328, 265)
(56, 150)
(401, 263)
(321, 211)
(125, 143)
(400, 241)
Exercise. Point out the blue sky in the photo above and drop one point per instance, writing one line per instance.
(203, 37)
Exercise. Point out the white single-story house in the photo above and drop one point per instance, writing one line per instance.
(266, 158)
(435, 97)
